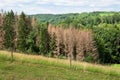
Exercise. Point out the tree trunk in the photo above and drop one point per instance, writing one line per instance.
(12, 50)
(70, 60)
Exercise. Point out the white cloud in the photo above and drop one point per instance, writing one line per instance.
(53, 6)
(63, 2)
(36, 10)
(80, 2)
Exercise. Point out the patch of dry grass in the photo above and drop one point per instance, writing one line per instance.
(61, 62)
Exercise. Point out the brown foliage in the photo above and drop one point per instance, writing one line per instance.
(16, 30)
(34, 22)
(78, 43)
(1, 30)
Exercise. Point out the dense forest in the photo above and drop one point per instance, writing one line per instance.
(92, 37)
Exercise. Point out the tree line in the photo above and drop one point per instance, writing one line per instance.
(90, 20)
(23, 33)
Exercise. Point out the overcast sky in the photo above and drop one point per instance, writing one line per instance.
(59, 6)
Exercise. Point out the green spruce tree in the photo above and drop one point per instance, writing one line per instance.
(43, 40)
(8, 27)
(52, 45)
(24, 28)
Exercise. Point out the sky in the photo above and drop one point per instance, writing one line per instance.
(59, 6)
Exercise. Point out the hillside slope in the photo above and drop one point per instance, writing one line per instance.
(30, 67)
(55, 19)
(52, 18)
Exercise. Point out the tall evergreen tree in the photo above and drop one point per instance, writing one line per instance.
(44, 40)
(32, 41)
(8, 26)
(23, 32)
(52, 45)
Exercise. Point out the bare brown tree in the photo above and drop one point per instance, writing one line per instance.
(75, 43)
(1, 30)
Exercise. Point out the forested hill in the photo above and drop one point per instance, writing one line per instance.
(79, 19)
(52, 18)
(97, 40)
(104, 25)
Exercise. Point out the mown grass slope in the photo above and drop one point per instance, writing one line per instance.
(31, 67)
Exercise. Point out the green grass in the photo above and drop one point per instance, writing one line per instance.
(31, 67)
(106, 14)
(116, 65)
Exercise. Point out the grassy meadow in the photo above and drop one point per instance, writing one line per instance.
(33, 67)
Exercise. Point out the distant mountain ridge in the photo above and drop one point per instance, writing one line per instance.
(55, 19)
(52, 18)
